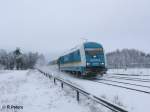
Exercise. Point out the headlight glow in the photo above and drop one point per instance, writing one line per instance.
(87, 64)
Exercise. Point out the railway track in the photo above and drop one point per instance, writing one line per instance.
(119, 74)
(128, 78)
(111, 83)
(138, 85)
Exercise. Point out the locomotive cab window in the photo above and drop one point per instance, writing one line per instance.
(93, 51)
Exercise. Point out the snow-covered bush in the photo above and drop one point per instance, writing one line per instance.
(2, 67)
(9, 60)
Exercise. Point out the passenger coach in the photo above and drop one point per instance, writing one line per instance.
(85, 59)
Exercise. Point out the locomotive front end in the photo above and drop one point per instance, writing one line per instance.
(95, 58)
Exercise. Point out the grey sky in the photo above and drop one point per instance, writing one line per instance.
(52, 26)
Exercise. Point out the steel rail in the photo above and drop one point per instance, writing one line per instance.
(121, 74)
(128, 78)
(147, 92)
(123, 82)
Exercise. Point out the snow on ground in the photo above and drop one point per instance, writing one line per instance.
(34, 92)
(131, 100)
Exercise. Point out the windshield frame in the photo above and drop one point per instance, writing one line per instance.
(93, 51)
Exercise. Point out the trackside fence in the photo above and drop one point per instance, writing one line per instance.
(107, 104)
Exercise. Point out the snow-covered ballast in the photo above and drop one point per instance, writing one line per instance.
(85, 59)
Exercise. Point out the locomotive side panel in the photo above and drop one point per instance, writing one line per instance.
(71, 62)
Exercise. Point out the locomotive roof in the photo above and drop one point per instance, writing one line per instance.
(85, 44)
(92, 45)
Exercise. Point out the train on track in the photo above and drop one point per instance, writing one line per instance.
(87, 59)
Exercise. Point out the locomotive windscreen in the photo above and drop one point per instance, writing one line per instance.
(93, 51)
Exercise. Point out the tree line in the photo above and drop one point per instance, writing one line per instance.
(128, 58)
(18, 60)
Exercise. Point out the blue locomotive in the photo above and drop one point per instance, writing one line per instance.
(84, 60)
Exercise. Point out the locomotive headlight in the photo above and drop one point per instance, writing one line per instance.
(87, 64)
(102, 63)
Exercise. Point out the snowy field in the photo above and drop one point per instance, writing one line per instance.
(133, 101)
(31, 91)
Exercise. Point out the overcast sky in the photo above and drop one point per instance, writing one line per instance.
(52, 26)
